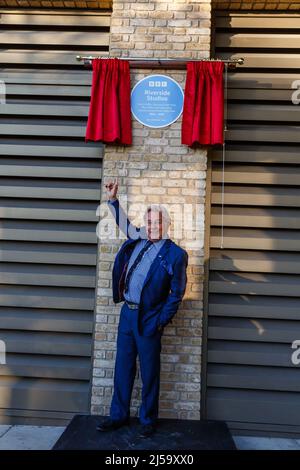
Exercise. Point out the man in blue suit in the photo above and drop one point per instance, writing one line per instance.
(149, 275)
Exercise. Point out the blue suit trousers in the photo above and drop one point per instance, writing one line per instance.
(130, 344)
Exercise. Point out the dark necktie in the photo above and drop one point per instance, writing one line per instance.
(136, 262)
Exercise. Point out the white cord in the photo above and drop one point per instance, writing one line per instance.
(223, 156)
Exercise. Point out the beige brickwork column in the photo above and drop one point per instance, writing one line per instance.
(157, 169)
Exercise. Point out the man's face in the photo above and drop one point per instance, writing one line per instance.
(155, 225)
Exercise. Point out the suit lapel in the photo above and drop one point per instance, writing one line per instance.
(158, 259)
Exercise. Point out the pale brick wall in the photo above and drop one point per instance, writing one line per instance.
(157, 169)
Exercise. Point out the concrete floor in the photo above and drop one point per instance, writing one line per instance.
(266, 443)
(44, 437)
(29, 437)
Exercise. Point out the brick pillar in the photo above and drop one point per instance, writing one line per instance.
(157, 169)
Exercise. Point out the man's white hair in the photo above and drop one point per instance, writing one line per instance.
(158, 208)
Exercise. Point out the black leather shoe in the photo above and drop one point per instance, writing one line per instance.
(147, 430)
(110, 425)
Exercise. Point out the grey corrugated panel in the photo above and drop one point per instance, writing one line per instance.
(15, 56)
(266, 81)
(46, 77)
(42, 18)
(50, 385)
(253, 302)
(264, 407)
(254, 239)
(48, 38)
(34, 394)
(47, 100)
(14, 188)
(262, 327)
(73, 150)
(48, 231)
(30, 420)
(47, 297)
(49, 213)
(43, 319)
(268, 217)
(58, 172)
(83, 207)
(258, 330)
(54, 344)
(50, 189)
(253, 174)
(257, 94)
(262, 21)
(57, 169)
(257, 196)
(264, 430)
(257, 261)
(40, 192)
(61, 165)
(264, 60)
(72, 210)
(19, 416)
(41, 110)
(30, 365)
(75, 130)
(249, 353)
(263, 112)
(49, 90)
(255, 133)
(259, 154)
(52, 253)
(257, 217)
(257, 40)
(254, 377)
(254, 306)
(47, 275)
(254, 283)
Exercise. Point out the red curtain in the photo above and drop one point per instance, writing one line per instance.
(203, 110)
(109, 117)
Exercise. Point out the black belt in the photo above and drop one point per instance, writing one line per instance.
(131, 305)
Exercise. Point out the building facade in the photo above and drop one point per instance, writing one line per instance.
(228, 352)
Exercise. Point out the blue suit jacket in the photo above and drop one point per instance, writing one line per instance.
(165, 283)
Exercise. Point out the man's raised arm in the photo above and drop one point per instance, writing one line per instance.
(129, 230)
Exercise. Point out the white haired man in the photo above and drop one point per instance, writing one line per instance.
(149, 274)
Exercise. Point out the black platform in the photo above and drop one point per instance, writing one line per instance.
(81, 434)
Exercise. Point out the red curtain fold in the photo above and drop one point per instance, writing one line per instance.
(109, 117)
(203, 109)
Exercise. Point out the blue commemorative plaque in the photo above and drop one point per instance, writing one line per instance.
(157, 101)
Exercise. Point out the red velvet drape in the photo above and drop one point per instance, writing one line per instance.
(203, 109)
(109, 117)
